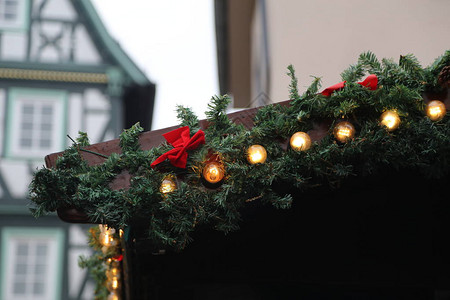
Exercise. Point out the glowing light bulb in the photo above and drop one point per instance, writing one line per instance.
(300, 141)
(168, 185)
(113, 296)
(113, 284)
(213, 172)
(106, 236)
(106, 239)
(256, 154)
(113, 263)
(344, 131)
(113, 272)
(390, 119)
(436, 110)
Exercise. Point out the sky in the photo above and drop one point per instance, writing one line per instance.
(173, 43)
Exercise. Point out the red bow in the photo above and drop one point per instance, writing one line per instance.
(118, 257)
(371, 82)
(181, 140)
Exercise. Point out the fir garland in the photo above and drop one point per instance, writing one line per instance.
(419, 144)
(102, 261)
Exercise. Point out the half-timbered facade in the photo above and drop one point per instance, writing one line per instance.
(60, 73)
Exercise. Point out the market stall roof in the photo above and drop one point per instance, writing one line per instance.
(385, 229)
(154, 138)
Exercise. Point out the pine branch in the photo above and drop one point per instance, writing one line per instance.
(313, 89)
(187, 118)
(370, 62)
(129, 138)
(217, 117)
(293, 86)
(411, 65)
(439, 63)
(431, 73)
(217, 107)
(353, 73)
(83, 141)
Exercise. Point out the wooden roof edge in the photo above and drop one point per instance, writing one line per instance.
(153, 138)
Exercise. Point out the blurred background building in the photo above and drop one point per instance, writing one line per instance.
(60, 73)
(258, 39)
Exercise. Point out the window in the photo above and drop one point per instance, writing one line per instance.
(13, 14)
(36, 123)
(31, 264)
(8, 10)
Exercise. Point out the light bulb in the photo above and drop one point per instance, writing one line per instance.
(436, 110)
(390, 119)
(106, 236)
(256, 154)
(168, 185)
(106, 239)
(113, 284)
(113, 272)
(213, 172)
(344, 131)
(300, 141)
(113, 296)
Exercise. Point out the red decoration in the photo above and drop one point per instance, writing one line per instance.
(181, 140)
(118, 257)
(371, 82)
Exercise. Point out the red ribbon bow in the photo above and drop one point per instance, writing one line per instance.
(118, 257)
(181, 140)
(371, 82)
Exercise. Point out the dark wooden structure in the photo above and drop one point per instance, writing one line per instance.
(384, 237)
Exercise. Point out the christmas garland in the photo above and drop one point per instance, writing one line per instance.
(379, 123)
(105, 264)
(206, 177)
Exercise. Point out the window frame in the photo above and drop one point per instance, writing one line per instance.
(16, 100)
(10, 237)
(22, 21)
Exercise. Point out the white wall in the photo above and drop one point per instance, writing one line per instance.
(322, 37)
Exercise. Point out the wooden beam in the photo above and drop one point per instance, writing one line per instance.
(150, 139)
(245, 117)
(154, 138)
